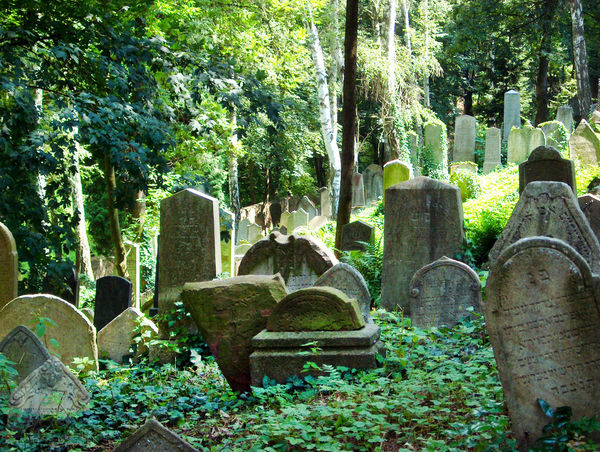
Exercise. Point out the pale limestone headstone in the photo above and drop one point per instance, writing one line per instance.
(154, 437)
(433, 141)
(299, 259)
(189, 243)
(349, 280)
(308, 206)
(242, 235)
(395, 172)
(442, 292)
(317, 222)
(9, 266)
(355, 235)
(554, 131)
(464, 139)
(254, 233)
(585, 144)
(22, 347)
(75, 335)
(493, 140)
(115, 339)
(325, 202)
(298, 218)
(564, 114)
(285, 220)
(373, 180)
(590, 206)
(512, 112)
(471, 167)
(50, 389)
(133, 269)
(358, 190)
(413, 146)
(550, 209)
(523, 141)
(227, 243)
(423, 222)
(542, 317)
(595, 119)
(546, 164)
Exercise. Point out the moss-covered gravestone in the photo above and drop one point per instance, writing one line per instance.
(323, 317)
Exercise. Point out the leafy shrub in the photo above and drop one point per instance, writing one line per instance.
(469, 184)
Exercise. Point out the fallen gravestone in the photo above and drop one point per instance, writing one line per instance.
(590, 206)
(9, 266)
(113, 296)
(154, 437)
(546, 164)
(542, 317)
(23, 348)
(442, 292)
(229, 312)
(355, 235)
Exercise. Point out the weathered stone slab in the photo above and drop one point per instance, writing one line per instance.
(350, 281)
(523, 141)
(433, 142)
(325, 202)
(154, 437)
(395, 172)
(542, 317)
(471, 167)
(227, 243)
(316, 309)
(242, 235)
(413, 145)
(373, 180)
(464, 139)
(23, 348)
(512, 112)
(115, 339)
(355, 235)
(254, 233)
(9, 266)
(308, 206)
(585, 144)
(298, 219)
(113, 296)
(50, 389)
(546, 164)
(550, 209)
(564, 114)
(229, 312)
(441, 292)
(133, 269)
(317, 222)
(358, 190)
(493, 143)
(590, 206)
(189, 243)
(75, 335)
(556, 136)
(423, 222)
(299, 259)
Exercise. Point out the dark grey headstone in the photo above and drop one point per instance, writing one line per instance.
(113, 296)
(275, 212)
(546, 164)
(23, 347)
(154, 437)
(354, 233)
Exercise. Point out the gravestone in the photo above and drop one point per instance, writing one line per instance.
(308, 206)
(133, 269)
(564, 114)
(585, 144)
(542, 317)
(254, 233)
(546, 164)
(154, 437)
(299, 259)
(423, 222)
(325, 202)
(9, 266)
(471, 167)
(441, 292)
(354, 233)
(189, 243)
(285, 220)
(22, 347)
(464, 139)
(373, 179)
(595, 120)
(317, 222)
(590, 206)
(413, 146)
(493, 140)
(229, 313)
(298, 218)
(554, 131)
(512, 112)
(349, 280)
(275, 213)
(50, 389)
(395, 172)
(433, 140)
(74, 333)
(227, 243)
(113, 296)
(115, 339)
(550, 209)
(89, 313)
(242, 235)
(522, 141)
(358, 190)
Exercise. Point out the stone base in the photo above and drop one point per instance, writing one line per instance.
(280, 355)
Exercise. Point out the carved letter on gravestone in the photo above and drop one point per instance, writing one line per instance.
(542, 317)
(50, 389)
(546, 164)
(8, 266)
(23, 348)
(441, 292)
(113, 296)
(154, 437)
(550, 209)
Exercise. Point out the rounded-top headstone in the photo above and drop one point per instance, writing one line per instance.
(316, 309)
(23, 348)
(75, 335)
(395, 172)
(8, 266)
(546, 164)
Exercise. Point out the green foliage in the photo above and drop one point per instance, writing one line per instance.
(469, 183)
(429, 167)
(561, 136)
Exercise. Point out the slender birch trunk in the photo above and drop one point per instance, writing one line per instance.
(234, 187)
(390, 141)
(580, 61)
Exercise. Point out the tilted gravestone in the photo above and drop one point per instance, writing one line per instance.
(585, 144)
(423, 222)
(564, 114)
(50, 389)
(308, 206)
(464, 139)
(73, 332)
(546, 164)
(522, 141)
(542, 317)
(113, 296)
(493, 141)
(299, 259)
(349, 280)
(23, 348)
(355, 235)
(512, 111)
(9, 266)
(189, 245)
(550, 209)
(229, 312)
(154, 437)
(395, 172)
(590, 206)
(373, 180)
(442, 292)
(358, 190)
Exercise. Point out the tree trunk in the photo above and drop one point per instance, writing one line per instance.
(426, 95)
(390, 142)
(234, 187)
(337, 69)
(584, 92)
(541, 85)
(113, 216)
(405, 9)
(349, 119)
(469, 103)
